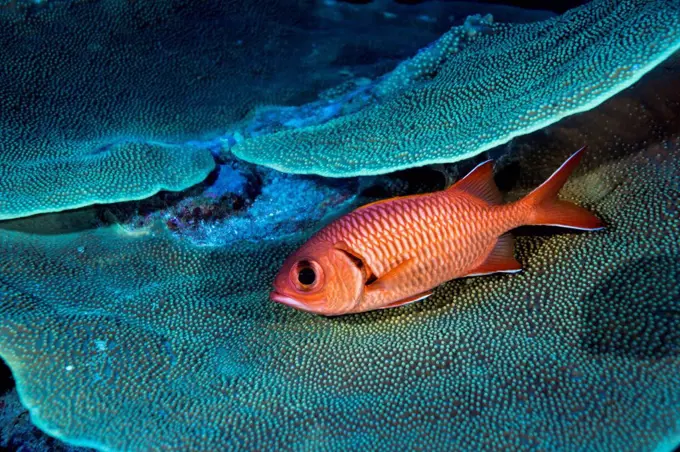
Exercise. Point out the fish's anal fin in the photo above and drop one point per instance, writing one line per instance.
(500, 259)
(408, 300)
(479, 183)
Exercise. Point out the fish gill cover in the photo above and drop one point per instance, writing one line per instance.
(131, 339)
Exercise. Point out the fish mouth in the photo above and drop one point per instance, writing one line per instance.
(288, 301)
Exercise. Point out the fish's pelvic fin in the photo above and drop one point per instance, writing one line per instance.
(500, 259)
(408, 300)
(547, 210)
(479, 183)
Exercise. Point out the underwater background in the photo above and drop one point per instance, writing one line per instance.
(160, 159)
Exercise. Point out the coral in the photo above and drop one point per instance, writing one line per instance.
(478, 86)
(146, 341)
(81, 78)
(34, 179)
(18, 433)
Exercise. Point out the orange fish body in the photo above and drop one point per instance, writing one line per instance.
(394, 252)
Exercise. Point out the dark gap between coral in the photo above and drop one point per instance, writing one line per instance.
(6, 379)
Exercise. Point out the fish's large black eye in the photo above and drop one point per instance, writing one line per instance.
(306, 276)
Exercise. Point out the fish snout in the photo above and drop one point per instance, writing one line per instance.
(288, 301)
(275, 296)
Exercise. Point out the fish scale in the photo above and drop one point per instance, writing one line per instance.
(431, 239)
(394, 252)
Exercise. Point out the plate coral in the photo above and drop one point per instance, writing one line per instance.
(146, 324)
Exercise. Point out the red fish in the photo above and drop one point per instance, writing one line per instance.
(394, 252)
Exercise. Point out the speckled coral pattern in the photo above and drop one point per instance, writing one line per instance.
(31, 182)
(136, 341)
(80, 77)
(481, 85)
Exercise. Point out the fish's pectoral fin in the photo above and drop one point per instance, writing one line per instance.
(500, 259)
(393, 278)
(479, 183)
(408, 300)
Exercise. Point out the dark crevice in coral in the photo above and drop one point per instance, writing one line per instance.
(212, 176)
(407, 182)
(6, 380)
(54, 223)
(211, 200)
(205, 211)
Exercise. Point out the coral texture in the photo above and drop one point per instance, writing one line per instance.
(146, 341)
(18, 433)
(88, 89)
(33, 181)
(479, 86)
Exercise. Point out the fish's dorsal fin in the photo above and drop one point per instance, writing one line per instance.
(479, 182)
(500, 259)
(385, 201)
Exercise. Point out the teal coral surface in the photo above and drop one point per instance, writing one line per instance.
(33, 182)
(101, 92)
(479, 86)
(147, 325)
(147, 341)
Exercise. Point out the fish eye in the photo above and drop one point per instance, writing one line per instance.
(306, 276)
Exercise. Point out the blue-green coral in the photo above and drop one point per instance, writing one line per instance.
(481, 85)
(88, 90)
(137, 340)
(34, 181)
(149, 342)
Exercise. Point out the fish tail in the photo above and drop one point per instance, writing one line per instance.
(547, 210)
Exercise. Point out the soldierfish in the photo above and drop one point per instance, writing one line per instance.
(393, 252)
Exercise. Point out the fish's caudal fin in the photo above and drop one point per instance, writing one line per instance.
(547, 210)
